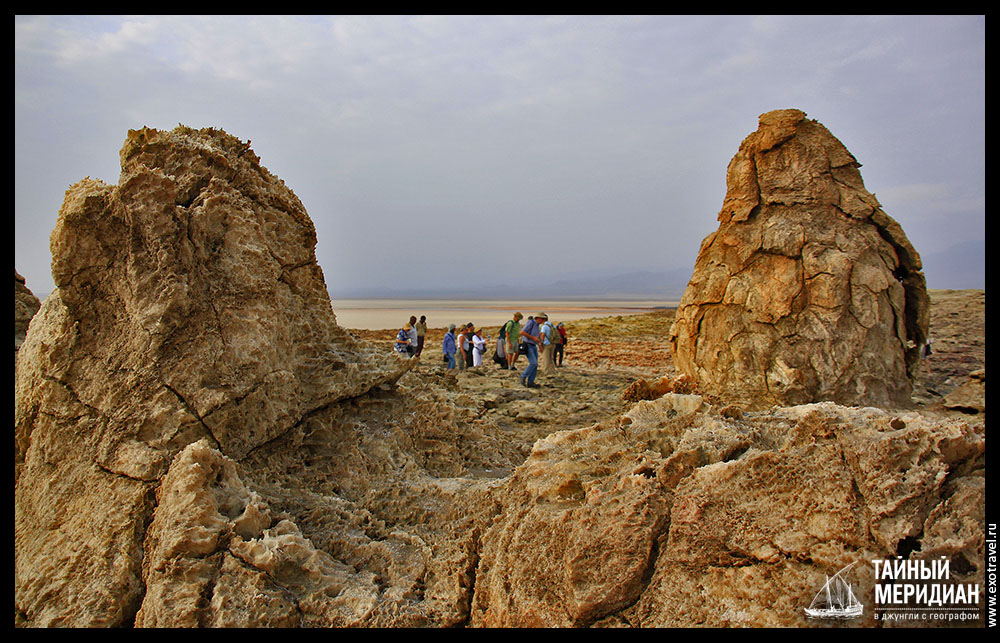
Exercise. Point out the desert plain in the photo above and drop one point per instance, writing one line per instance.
(607, 354)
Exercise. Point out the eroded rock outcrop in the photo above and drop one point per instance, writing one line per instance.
(970, 396)
(807, 291)
(188, 307)
(25, 307)
(679, 515)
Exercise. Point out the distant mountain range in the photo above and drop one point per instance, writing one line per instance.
(959, 267)
(962, 266)
(668, 285)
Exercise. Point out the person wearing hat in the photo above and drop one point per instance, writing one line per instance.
(402, 345)
(531, 340)
(548, 335)
(448, 347)
(478, 347)
(510, 337)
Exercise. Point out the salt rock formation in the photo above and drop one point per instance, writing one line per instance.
(188, 307)
(643, 390)
(25, 307)
(970, 396)
(364, 515)
(807, 291)
(679, 515)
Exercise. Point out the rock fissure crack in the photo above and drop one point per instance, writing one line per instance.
(191, 410)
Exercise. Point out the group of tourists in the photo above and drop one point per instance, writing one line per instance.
(464, 348)
(539, 340)
(542, 343)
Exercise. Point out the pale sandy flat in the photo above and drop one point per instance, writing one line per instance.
(376, 314)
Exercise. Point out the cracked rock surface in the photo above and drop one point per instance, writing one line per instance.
(198, 444)
(188, 306)
(677, 515)
(807, 291)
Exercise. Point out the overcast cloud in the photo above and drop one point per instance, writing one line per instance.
(565, 144)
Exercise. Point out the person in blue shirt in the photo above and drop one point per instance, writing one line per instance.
(448, 346)
(403, 341)
(530, 338)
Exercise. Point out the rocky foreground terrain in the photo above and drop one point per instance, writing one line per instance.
(198, 443)
(608, 355)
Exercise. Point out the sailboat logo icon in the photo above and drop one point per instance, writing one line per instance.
(835, 599)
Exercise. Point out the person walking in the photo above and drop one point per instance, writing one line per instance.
(529, 336)
(448, 347)
(925, 354)
(511, 337)
(421, 333)
(560, 350)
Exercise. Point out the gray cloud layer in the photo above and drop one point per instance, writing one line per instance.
(445, 149)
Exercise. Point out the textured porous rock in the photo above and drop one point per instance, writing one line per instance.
(807, 291)
(211, 536)
(970, 396)
(642, 389)
(188, 307)
(680, 516)
(25, 307)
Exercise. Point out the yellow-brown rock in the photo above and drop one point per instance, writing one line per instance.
(188, 306)
(25, 307)
(682, 516)
(807, 291)
(970, 396)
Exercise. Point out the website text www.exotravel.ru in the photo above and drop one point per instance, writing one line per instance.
(991, 575)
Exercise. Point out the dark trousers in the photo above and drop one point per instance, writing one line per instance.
(557, 355)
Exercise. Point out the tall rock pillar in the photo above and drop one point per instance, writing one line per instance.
(807, 291)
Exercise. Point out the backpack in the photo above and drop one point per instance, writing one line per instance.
(503, 330)
(551, 333)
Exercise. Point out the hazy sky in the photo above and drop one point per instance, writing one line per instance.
(434, 150)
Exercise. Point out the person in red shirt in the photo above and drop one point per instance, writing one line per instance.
(560, 349)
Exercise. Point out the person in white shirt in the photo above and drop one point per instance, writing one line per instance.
(411, 332)
(478, 347)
